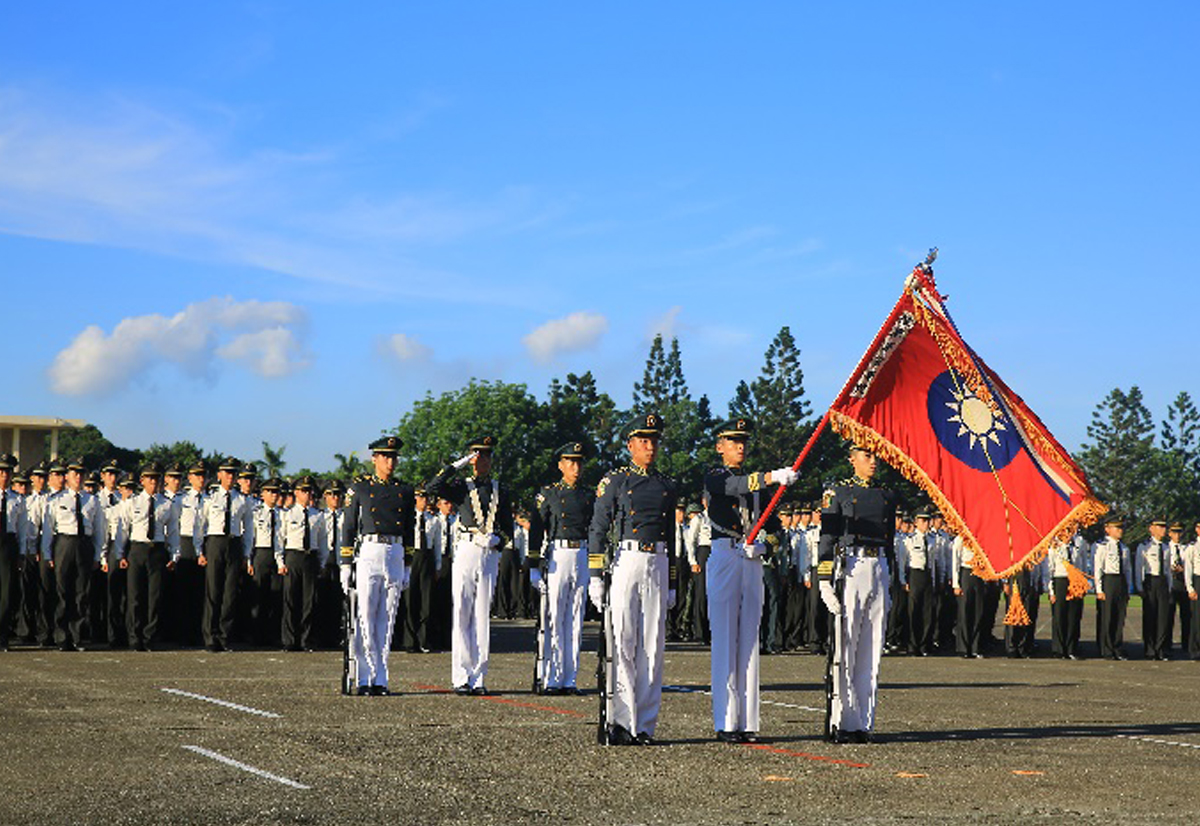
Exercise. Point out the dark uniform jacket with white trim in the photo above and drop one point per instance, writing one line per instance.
(562, 513)
(640, 505)
(448, 485)
(854, 514)
(375, 506)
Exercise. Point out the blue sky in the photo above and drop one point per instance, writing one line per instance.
(230, 222)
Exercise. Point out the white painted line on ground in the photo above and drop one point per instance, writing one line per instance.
(225, 703)
(229, 761)
(685, 690)
(1160, 742)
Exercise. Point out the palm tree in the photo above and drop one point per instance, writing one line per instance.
(347, 466)
(273, 459)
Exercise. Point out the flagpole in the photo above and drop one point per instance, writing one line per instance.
(924, 274)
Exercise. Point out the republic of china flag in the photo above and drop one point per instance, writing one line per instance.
(927, 405)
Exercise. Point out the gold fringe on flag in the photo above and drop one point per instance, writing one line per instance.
(1017, 615)
(1077, 582)
(1082, 515)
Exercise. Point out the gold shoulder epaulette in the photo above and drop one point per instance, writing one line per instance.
(825, 567)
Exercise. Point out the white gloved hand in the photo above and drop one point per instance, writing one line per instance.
(481, 540)
(493, 541)
(670, 599)
(344, 572)
(754, 550)
(596, 592)
(829, 597)
(463, 461)
(535, 577)
(783, 476)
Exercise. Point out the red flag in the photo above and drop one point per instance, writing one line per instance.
(927, 405)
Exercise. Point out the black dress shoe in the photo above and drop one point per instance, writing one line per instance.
(644, 739)
(379, 691)
(573, 691)
(620, 736)
(749, 736)
(479, 691)
(363, 691)
(462, 690)
(729, 736)
(213, 648)
(553, 691)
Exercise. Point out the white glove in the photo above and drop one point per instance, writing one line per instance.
(670, 599)
(462, 462)
(493, 541)
(344, 572)
(596, 592)
(783, 476)
(535, 577)
(829, 597)
(754, 550)
(481, 540)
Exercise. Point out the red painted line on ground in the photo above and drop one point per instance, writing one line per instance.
(505, 701)
(807, 756)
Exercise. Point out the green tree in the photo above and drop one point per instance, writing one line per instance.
(90, 444)
(686, 449)
(183, 452)
(1121, 457)
(576, 410)
(348, 466)
(273, 461)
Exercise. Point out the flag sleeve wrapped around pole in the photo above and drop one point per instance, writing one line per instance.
(927, 405)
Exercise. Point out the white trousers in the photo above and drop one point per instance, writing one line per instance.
(472, 582)
(860, 629)
(735, 603)
(639, 618)
(379, 579)
(566, 591)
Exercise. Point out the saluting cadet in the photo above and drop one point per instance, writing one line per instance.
(226, 521)
(857, 545)
(917, 564)
(969, 589)
(379, 517)
(1179, 596)
(73, 534)
(1019, 640)
(13, 532)
(186, 574)
(267, 597)
(1066, 613)
(558, 545)
(1151, 573)
(1114, 583)
(305, 549)
(1191, 576)
(144, 527)
(422, 578)
(735, 501)
(483, 527)
(637, 501)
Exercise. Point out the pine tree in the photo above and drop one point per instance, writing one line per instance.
(663, 390)
(1122, 458)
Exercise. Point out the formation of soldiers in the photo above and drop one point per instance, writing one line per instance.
(217, 556)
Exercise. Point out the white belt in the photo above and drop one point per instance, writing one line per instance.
(738, 547)
(643, 547)
(382, 539)
(863, 553)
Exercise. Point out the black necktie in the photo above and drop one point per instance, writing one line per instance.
(421, 533)
(271, 541)
(228, 510)
(4, 511)
(333, 540)
(307, 535)
(150, 521)
(78, 513)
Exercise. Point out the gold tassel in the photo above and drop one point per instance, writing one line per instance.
(1077, 582)
(1017, 615)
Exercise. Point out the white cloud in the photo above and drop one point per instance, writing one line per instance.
(666, 325)
(404, 348)
(578, 331)
(261, 335)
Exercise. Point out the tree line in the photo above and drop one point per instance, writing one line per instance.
(1141, 470)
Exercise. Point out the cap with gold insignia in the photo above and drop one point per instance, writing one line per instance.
(922, 514)
(484, 444)
(77, 464)
(111, 466)
(695, 507)
(274, 483)
(571, 450)
(1114, 521)
(20, 478)
(336, 487)
(386, 445)
(1176, 527)
(1161, 523)
(198, 468)
(40, 469)
(650, 424)
(249, 471)
(175, 469)
(58, 465)
(306, 483)
(92, 479)
(127, 483)
(152, 469)
(738, 428)
(231, 464)
(8, 462)
(419, 490)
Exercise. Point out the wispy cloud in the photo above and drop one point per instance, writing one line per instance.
(404, 349)
(578, 331)
(263, 336)
(665, 325)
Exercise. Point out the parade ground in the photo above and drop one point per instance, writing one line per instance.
(263, 737)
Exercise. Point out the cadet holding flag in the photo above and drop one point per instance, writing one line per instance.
(558, 567)
(735, 582)
(638, 502)
(380, 515)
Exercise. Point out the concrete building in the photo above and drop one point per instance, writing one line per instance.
(25, 437)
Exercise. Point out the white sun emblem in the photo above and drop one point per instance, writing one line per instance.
(975, 418)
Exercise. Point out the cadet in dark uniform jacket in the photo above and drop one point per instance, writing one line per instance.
(558, 564)
(381, 512)
(856, 552)
(638, 502)
(483, 528)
